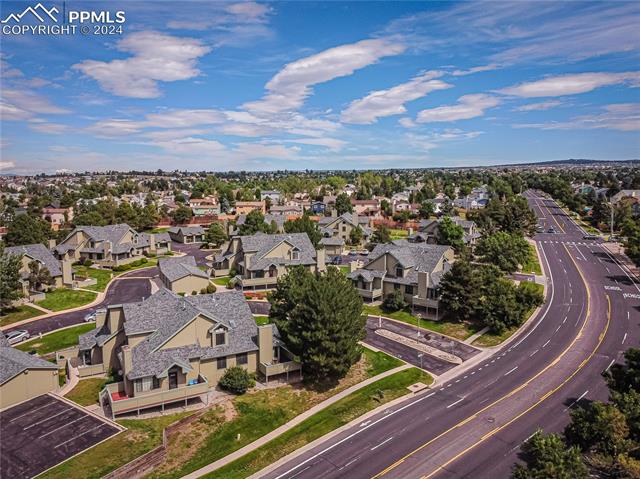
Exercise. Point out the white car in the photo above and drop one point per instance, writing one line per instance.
(18, 336)
(90, 316)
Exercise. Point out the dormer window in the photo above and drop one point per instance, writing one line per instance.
(220, 338)
(295, 253)
(399, 272)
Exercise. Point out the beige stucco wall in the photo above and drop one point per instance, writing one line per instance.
(196, 330)
(27, 385)
(189, 284)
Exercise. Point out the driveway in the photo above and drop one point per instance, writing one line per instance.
(44, 431)
(192, 249)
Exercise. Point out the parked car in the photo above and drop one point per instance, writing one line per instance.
(551, 230)
(90, 316)
(590, 237)
(18, 336)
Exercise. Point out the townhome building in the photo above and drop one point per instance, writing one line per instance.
(60, 270)
(110, 245)
(23, 376)
(286, 210)
(414, 269)
(181, 274)
(365, 207)
(622, 194)
(168, 348)
(246, 207)
(58, 217)
(428, 231)
(187, 234)
(259, 260)
(205, 206)
(341, 226)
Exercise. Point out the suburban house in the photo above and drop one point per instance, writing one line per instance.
(187, 234)
(181, 274)
(428, 231)
(205, 206)
(259, 260)
(110, 245)
(341, 226)
(333, 246)
(246, 207)
(268, 219)
(414, 269)
(286, 210)
(23, 376)
(58, 217)
(318, 208)
(273, 195)
(625, 194)
(160, 242)
(365, 207)
(60, 270)
(168, 348)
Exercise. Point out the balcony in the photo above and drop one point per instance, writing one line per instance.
(120, 403)
(90, 370)
(370, 294)
(265, 282)
(277, 368)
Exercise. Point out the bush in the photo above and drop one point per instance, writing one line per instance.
(203, 291)
(236, 380)
(211, 288)
(394, 301)
(87, 262)
(232, 272)
(194, 292)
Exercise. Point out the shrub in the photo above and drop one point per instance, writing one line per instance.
(395, 301)
(194, 292)
(232, 272)
(236, 380)
(211, 288)
(87, 262)
(203, 291)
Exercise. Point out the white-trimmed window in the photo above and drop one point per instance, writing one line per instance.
(144, 384)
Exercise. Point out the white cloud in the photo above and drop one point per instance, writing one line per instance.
(470, 71)
(21, 103)
(543, 105)
(382, 103)
(331, 143)
(184, 118)
(289, 88)
(407, 122)
(47, 127)
(155, 57)
(468, 106)
(248, 151)
(190, 146)
(572, 84)
(5, 165)
(114, 128)
(620, 116)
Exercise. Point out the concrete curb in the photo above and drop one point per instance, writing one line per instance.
(294, 422)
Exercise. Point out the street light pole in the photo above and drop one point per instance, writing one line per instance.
(420, 358)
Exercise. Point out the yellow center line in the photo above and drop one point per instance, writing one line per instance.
(526, 383)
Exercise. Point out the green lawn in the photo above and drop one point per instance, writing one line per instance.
(379, 362)
(261, 319)
(63, 298)
(533, 264)
(50, 343)
(102, 276)
(398, 234)
(86, 391)
(344, 269)
(141, 436)
(157, 230)
(455, 330)
(321, 423)
(19, 314)
(222, 280)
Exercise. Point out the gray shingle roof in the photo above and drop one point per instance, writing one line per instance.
(279, 219)
(39, 253)
(110, 233)
(262, 244)
(14, 361)
(180, 267)
(335, 241)
(420, 256)
(366, 274)
(165, 313)
(187, 230)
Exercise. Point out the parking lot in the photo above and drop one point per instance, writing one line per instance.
(411, 353)
(42, 432)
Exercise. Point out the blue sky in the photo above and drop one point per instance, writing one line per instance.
(326, 85)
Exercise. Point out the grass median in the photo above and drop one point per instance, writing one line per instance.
(102, 276)
(86, 391)
(334, 416)
(63, 298)
(49, 343)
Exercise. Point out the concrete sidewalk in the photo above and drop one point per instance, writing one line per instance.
(294, 422)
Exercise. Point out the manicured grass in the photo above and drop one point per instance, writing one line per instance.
(65, 338)
(102, 276)
(455, 330)
(63, 298)
(379, 362)
(344, 269)
(86, 391)
(19, 314)
(323, 422)
(533, 263)
(398, 234)
(141, 436)
(222, 280)
(261, 319)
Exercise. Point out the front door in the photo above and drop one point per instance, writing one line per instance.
(173, 380)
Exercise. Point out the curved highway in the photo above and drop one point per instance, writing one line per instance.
(472, 426)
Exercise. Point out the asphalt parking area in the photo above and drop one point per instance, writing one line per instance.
(42, 432)
(421, 359)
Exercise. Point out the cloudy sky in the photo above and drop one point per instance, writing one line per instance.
(326, 85)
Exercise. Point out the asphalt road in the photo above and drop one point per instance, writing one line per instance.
(472, 426)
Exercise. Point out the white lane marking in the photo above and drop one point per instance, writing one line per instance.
(610, 364)
(548, 341)
(454, 403)
(557, 329)
(364, 423)
(383, 442)
(624, 338)
(510, 371)
(564, 320)
(577, 400)
(348, 463)
(79, 435)
(46, 419)
(533, 353)
(64, 425)
(29, 412)
(300, 472)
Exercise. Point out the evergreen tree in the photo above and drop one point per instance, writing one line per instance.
(450, 233)
(39, 276)
(343, 204)
(304, 224)
(381, 235)
(320, 319)
(10, 286)
(254, 223)
(215, 234)
(27, 229)
(356, 235)
(505, 250)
